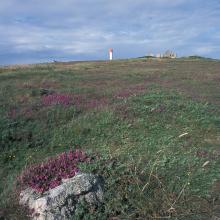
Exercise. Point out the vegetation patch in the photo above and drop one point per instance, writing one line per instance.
(49, 174)
(153, 127)
(56, 99)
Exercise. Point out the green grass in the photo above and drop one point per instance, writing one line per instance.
(150, 171)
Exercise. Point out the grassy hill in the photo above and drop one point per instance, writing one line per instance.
(153, 127)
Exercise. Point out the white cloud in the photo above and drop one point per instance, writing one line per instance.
(88, 27)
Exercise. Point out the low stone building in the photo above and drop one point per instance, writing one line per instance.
(169, 54)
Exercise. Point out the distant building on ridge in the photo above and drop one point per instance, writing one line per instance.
(169, 54)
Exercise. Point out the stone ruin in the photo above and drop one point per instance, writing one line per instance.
(61, 202)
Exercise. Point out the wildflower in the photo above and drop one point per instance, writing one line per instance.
(49, 174)
(56, 99)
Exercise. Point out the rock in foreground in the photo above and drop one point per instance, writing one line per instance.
(61, 202)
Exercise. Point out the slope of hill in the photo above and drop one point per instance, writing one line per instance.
(153, 127)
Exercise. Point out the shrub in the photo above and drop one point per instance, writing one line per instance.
(49, 174)
(56, 99)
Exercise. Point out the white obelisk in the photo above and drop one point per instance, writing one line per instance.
(110, 54)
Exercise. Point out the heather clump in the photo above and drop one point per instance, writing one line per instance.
(56, 99)
(48, 175)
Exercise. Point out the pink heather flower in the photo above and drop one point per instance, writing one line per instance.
(49, 174)
(56, 99)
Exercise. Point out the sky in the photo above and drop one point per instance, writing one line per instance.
(33, 31)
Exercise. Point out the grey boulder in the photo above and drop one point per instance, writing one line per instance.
(61, 202)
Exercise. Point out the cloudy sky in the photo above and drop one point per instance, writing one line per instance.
(39, 31)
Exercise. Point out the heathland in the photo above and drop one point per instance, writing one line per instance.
(151, 125)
